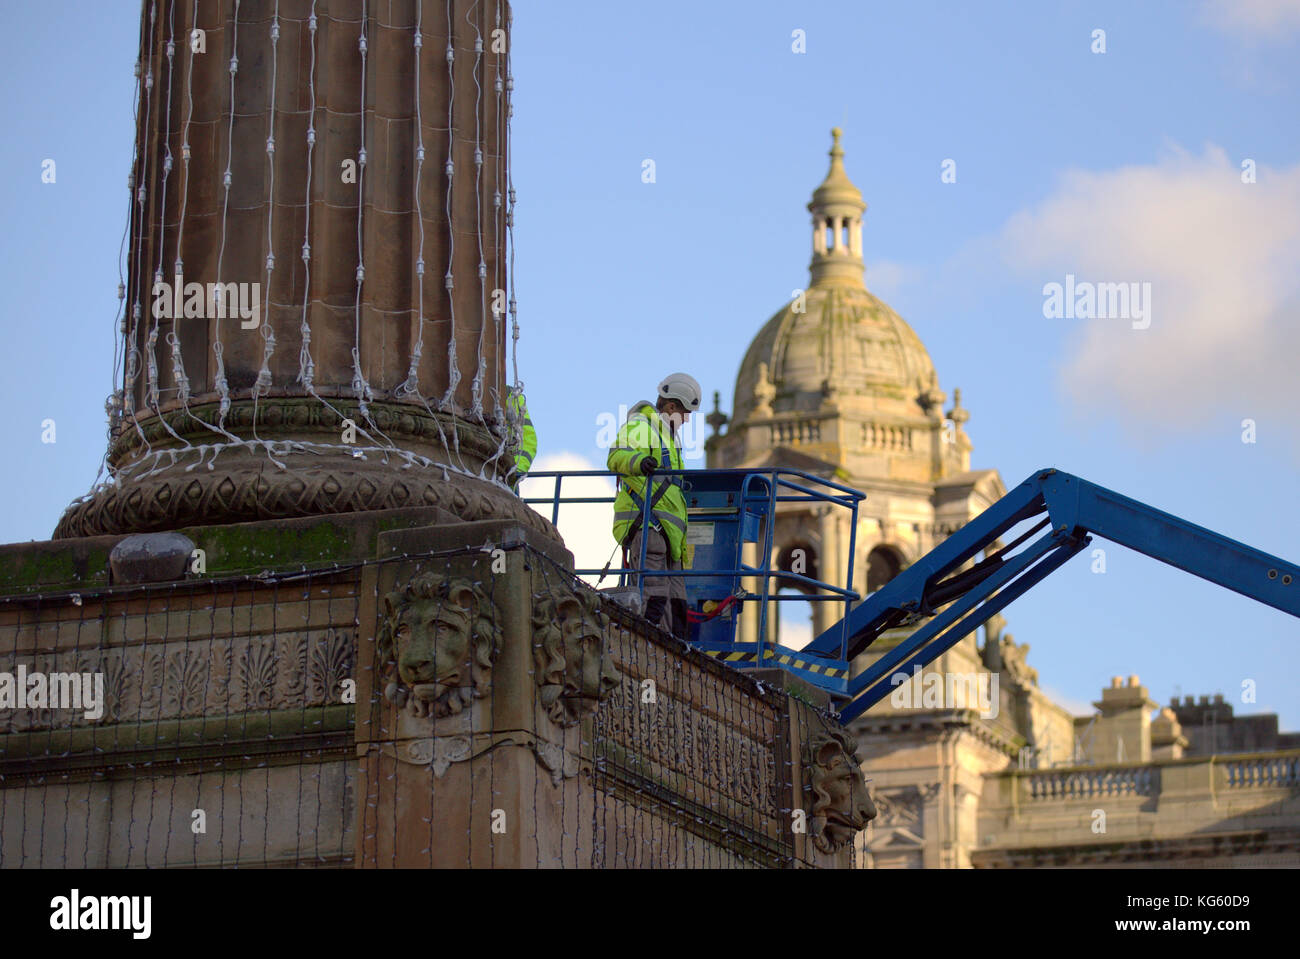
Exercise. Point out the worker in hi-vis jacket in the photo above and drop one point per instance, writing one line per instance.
(525, 442)
(649, 441)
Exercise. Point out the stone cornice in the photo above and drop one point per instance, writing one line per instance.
(939, 721)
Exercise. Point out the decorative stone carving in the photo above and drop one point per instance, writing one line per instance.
(560, 762)
(841, 804)
(574, 669)
(438, 753)
(185, 683)
(666, 739)
(1015, 662)
(991, 651)
(329, 664)
(437, 642)
(903, 808)
(899, 807)
(256, 676)
(240, 493)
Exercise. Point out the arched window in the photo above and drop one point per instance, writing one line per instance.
(883, 564)
(790, 621)
(796, 558)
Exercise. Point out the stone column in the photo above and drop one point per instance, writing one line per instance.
(747, 628)
(825, 614)
(344, 301)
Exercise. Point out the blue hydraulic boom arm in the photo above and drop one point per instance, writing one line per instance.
(1075, 509)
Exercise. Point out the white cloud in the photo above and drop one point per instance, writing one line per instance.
(586, 527)
(1255, 19)
(886, 278)
(1075, 707)
(1220, 256)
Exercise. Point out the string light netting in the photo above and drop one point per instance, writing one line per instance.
(320, 248)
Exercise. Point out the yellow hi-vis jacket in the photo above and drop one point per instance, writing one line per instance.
(646, 434)
(527, 448)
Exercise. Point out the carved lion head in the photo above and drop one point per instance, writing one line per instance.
(841, 803)
(439, 637)
(573, 669)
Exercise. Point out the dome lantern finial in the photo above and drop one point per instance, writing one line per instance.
(837, 207)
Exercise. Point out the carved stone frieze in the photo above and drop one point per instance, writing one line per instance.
(674, 741)
(218, 676)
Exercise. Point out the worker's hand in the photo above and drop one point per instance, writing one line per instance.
(649, 465)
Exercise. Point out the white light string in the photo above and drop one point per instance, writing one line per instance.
(359, 384)
(262, 384)
(218, 347)
(453, 371)
(155, 461)
(151, 354)
(511, 421)
(133, 356)
(162, 460)
(306, 365)
(476, 388)
(114, 405)
(503, 439)
(498, 319)
(411, 386)
(178, 364)
(517, 386)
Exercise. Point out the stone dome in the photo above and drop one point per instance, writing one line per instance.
(846, 343)
(837, 343)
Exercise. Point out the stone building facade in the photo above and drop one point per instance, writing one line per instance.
(970, 763)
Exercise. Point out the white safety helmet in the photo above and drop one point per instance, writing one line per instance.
(683, 388)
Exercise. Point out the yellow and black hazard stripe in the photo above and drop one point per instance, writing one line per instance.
(819, 667)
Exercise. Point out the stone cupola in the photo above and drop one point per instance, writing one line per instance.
(836, 373)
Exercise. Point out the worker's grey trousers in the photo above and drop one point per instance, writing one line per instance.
(665, 595)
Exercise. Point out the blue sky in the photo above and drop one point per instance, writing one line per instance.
(1117, 166)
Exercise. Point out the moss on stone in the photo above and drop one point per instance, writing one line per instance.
(35, 567)
(244, 547)
(59, 565)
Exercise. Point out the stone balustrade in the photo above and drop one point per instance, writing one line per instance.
(1232, 810)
